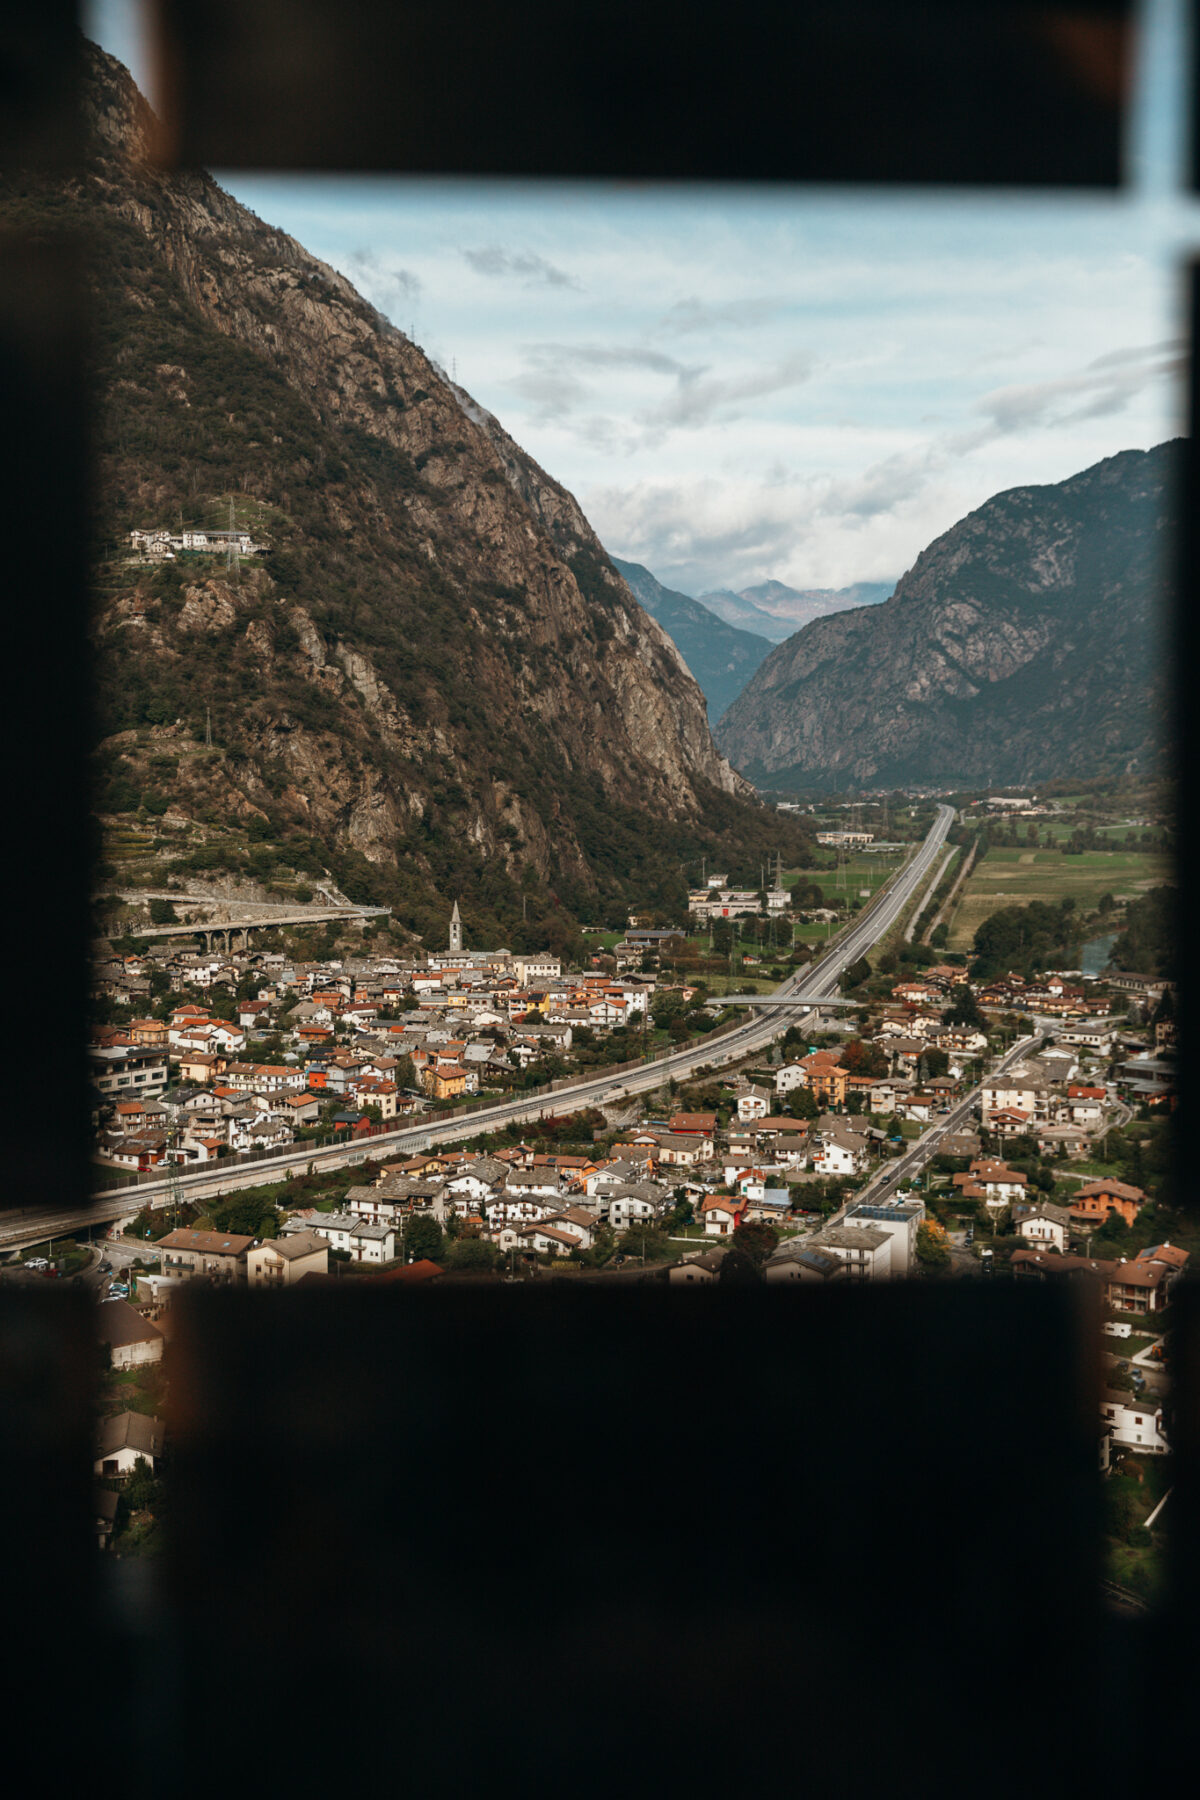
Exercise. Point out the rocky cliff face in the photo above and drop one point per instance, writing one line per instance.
(720, 657)
(436, 666)
(1025, 642)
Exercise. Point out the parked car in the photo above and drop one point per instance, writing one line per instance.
(37, 1262)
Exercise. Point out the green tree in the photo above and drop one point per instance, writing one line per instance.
(244, 1215)
(472, 1256)
(1121, 1506)
(757, 1239)
(682, 1213)
(964, 1009)
(647, 1243)
(162, 912)
(739, 1269)
(423, 1239)
(933, 1249)
(858, 972)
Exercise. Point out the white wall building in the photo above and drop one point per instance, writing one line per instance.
(1133, 1423)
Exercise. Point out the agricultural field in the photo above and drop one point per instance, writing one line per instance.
(1013, 877)
(858, 875)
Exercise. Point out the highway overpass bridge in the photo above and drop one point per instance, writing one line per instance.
(782, 999)
(226, 932)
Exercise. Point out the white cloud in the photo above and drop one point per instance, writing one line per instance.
(1105, 387)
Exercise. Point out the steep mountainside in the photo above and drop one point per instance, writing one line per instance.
(721, 658)
(1026, 641)
(775, 611)
(435, 681)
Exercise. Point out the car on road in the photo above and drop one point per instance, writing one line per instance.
(105, 1268)
(37, 1262)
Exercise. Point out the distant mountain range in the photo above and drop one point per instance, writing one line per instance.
(721, 657)
(1026, 641)
(773, 610)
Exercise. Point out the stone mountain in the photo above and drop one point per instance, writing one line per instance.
(1026, 641)
(720, 657)
(435, 681)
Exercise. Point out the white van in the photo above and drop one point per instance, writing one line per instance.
(1114, 1329)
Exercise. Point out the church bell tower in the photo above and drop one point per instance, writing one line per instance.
(455, 932)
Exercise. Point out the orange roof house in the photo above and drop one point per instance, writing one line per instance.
(1096, 1199)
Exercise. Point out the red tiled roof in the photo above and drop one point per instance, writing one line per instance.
(1098, 1189)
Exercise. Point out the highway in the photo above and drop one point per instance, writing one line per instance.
(808, 985)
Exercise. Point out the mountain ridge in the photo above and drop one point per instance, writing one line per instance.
(1024, 642)
(434, 675)
(721, 657)
(775, 611)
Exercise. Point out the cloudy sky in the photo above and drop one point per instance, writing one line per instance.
(806, 385)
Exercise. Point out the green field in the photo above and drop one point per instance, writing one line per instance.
(857, 873)
(751, 981)
(1013, 877)
(1060, 829)
(814, 933)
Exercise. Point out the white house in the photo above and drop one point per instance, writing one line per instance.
(722, 1214)
(477, 1181)
(865, 1250)
(638, 1204)
(1048, 1226)
(753, 1103)
(1136, 1424)
(125, 1439)
(577, 1222)
(361, 1239)
(840, 1153)
(899, 1218)
(281, 1262)
(131, 1340)
(549, 1240)
(1094, 1035)
(515, 1211)
(1020, 1089)
(792, 1075)
(543, 967)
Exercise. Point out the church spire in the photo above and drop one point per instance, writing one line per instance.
(455, 931)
